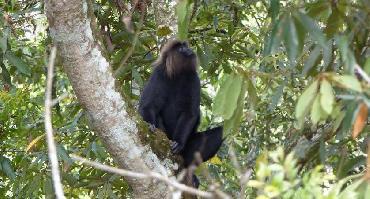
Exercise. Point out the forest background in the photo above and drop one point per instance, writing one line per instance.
(283, 77)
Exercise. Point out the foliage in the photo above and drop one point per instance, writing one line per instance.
(277, 177)
(275, 73)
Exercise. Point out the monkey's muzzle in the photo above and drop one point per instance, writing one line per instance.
(186, 51)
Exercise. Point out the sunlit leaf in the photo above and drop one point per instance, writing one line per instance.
(215, 160)
(227, 97)
(349, 81)
(327, 96)
(306, 99)
(360, 121)
(316, 110)
(234, 121)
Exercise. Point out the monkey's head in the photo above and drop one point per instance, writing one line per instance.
(177, 57)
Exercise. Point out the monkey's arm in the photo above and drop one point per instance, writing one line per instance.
(189, 117)
(185, 126)
(152, 100)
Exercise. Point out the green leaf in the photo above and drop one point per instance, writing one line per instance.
(290, 38)
(6, 167)
(317, 8)
(349, 81)
(272, 41)
(48, 188)
(306, 99)
(333, 23)
(311, 26)
(227, 97)
(316, 110)
(327, 54)
(203, 58)
(4, 38)
(163, 31)
(274, 9)
(327, 96)
(234, 121)
(3, 44)
(275, 99)
(5, 73)
(311, 60)
(252, 93)
(367, 66)
(63, 155)
(18, 63)
(301, 33)
(182, 11)
(346, 54)
(349, 117)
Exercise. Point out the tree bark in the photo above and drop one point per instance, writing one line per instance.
(72, 27)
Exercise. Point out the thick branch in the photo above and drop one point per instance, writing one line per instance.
(72, 30)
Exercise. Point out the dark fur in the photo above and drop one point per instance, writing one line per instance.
(171, 100)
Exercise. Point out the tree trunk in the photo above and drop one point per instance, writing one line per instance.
(72, 27)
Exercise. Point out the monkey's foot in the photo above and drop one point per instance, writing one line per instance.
(152, 128)
(176, 147)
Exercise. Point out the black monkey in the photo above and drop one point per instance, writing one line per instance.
(171, 100)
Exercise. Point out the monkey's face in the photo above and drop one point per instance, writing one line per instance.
(177, 57)
(184, 50)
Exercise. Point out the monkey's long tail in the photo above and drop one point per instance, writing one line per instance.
(207, 143)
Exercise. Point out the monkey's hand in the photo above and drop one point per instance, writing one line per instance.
(152, 128)
(176, 147)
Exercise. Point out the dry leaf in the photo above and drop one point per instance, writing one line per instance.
(33, 142)
(360, 121)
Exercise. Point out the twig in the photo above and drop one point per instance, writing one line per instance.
(52, 151)
(362, 73)
(243, 182)
(150, 174)
(122, 64)
(60, 98)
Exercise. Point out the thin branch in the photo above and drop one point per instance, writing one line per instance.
(52, 151)
(362, 73)
(122, 64)
(150, 174)
(60, 98)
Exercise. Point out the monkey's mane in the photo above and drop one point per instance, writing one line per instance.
(173, 62)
